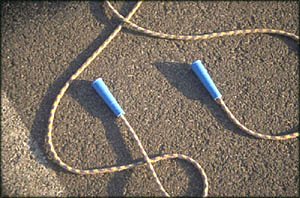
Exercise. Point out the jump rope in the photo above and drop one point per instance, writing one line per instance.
(108, 98)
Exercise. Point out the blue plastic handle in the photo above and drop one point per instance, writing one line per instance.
(206, 80)
(108, 98)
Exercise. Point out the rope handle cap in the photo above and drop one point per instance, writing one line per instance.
(206, 80)
(107, 96)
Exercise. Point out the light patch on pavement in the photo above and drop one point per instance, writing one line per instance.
(22, 173)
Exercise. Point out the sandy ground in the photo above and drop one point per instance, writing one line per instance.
(44, 42)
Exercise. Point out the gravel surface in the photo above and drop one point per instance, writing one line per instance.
(22, 169)
(44, 42)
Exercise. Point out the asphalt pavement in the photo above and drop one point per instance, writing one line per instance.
(43, 43)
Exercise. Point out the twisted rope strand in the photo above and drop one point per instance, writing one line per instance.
(148, 161)
(249, 131)
(200, 37)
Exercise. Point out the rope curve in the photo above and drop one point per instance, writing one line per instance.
(217, 35)
(149, 161)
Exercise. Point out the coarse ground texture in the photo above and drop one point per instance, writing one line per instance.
(44, 42)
